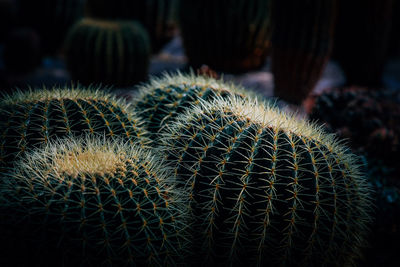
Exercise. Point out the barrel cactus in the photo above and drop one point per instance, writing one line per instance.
(267, 189)
(162, 99)
(93, 202)
(29, 119)
(157, 16)
(229, 36)
(114, 53)
(301, 45)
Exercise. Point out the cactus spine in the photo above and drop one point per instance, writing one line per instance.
(266, 189)
(229, 36)
(157, 16)
(162, 99)
(28, 119)
(97, 202)
(109, 52)
(301, 45)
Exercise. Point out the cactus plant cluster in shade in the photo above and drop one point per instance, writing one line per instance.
(29, 119)
(301, 45)
(161, 100)
(114, 53)
(91, 202)
(227, 35)
(267, 189)
(157, 16)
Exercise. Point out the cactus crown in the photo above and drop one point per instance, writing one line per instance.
(266, 187)
(106, 202)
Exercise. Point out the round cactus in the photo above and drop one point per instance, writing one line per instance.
(267, 189)
(95, 202)
(157, 16)
(114, 53)
(162, 99)
(229, 36)
(28, 119)
(301, 44)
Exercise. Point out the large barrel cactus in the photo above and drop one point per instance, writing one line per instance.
(227, 35)
(90, 202)
(301, 45)
(162, 99)
(267, 189)
(114, 53)
(32, 118)
(157, 16)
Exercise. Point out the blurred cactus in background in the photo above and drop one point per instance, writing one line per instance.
(92, 203)
(267, 189)
(113, 53)
(51, 19)
(362, 40)
(227, 35)
(301, 45)
(157, 16)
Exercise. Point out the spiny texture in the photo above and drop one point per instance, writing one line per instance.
(29, 119)
(157, 16)
(51, 18)
(227, 35)
(266, 189)
(162, 99)
(114, 53)
(92, 202)
(301, 45)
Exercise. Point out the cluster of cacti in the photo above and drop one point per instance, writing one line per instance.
(29, 119)
(51, 19)
(157, 16)
(229, 36)
(161, 100)
(115, 53)
(90, 202)
(301, 44)
(361, 44)
(266, 189)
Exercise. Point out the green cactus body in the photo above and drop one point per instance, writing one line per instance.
(266, 189)
(94, 202)
(113, 53)
(157, 16)
(301, 45)
(160, 101)
(32, 118)
(229, 36)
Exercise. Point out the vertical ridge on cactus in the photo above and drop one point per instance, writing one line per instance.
(29, 119)
(94, 201)
(162, 99)
(229, 36)
(114, 53)
(266, 188)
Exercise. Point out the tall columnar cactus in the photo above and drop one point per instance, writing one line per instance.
(51, 18)
(162, 99)
(267, 189)
(114, 53)
(301, 45)
(93, 203)
(29, 119)
(228, 35)
(157, 16)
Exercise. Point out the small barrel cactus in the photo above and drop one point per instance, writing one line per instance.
(162, 99)
(115, 53)
(157, 16)
(301, 45)
(267, 189)
(229, 36)
(28, 119)
(93, 202)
